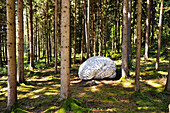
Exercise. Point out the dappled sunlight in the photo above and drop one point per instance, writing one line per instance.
(162, 72)
(126, 84)
(4, 78)
(24, 85)
(52, 93)
(3, 98)
(39, 90)
(94, 89)
(34, 96)
(51, 108)
(156, 83)
(145, 108)
(56, 85)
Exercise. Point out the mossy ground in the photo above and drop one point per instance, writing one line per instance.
(40, 92)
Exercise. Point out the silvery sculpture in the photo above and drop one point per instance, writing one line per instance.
(97, 67)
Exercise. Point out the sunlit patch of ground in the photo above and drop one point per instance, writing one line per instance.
(41, 91)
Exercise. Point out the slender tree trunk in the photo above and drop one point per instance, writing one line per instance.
(147, 31)
(105, 38)
(167, 87)
(35, 41)
(160, 34)
(116, 18)
(129, 29)
(118, 27)
(94, 28)
(11, 41)
(125, 40)
(31, 37)
(28, 35)
(86, 29)
(134, 22)
(56, 33)
(49, 40)
(65, 48)
(138, 49)
(101, 28)
(82, 38)
(38, 41)
(74, 60)
(20, 67)
(47, 33)
(153, 21)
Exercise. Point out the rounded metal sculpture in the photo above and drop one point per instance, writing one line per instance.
(97, 67)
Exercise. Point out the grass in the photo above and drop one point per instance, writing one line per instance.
(40, 92)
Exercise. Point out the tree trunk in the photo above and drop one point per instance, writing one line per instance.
(31, 37)
(49, 40)
(152, 20)
(105, 38)
(56, 33)
(147, 31)
(11, 41)
(101, 28)
(129, 29)
(116, 18)
(86, 29)
(94, 29)
(38, 41)
(125, 40)
(47, 33)
(28, 36)
(118, 27)
(138, 49)
(160, 34)
(82, 38)
(167, 87)
(35, 41)
(74, 59)
(65, 48)
(20, 66)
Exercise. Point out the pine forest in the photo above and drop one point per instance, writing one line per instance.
(84, 56)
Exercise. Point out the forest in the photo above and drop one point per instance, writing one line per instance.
(44, 42)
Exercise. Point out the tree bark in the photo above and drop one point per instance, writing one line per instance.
(94, 29)
(152, 20)
(160, 34)
(65, 48)
(147, 31)
(82, 38)
(118, 27)
(138, 49)
(28, 35)
(74, 59)
(105, 38)
(129, 29)
(101, 29)
(56, 33)
(125, 41)
(11, 41)
(31, 37)
(20, 66)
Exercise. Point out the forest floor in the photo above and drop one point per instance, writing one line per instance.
(41, 91)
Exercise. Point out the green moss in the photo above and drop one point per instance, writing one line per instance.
(71, 104)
